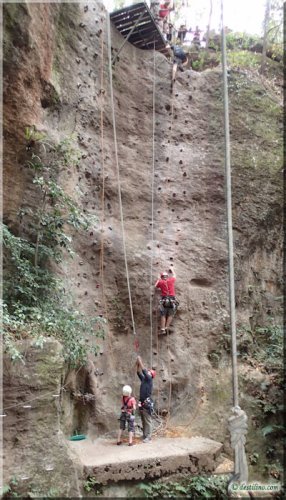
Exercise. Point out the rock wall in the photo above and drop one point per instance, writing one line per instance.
(36, 456)
(56, 79)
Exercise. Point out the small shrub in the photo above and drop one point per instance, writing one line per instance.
(214, 487)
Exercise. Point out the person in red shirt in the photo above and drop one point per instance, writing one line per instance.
(127, 414)
(168, 303)
(165, 9)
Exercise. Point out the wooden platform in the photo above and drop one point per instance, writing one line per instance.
(163, 456)
(145, 33)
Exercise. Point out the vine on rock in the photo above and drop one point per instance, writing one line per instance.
(35, 302)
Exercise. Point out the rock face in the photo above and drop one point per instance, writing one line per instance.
(35, 449)
(59, 83)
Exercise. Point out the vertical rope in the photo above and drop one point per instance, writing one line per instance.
(101, 258)
(152, 210)
(118, 173)
(229, 215)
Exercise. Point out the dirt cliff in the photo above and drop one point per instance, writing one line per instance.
(56, 79)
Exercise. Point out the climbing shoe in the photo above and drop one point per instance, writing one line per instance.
(130, 444)
(118, 443)
(163, 331)
(147, 440)
(169, 330)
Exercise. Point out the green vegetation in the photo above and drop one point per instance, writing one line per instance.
(36, 304)
(92, 485)
(214, 487)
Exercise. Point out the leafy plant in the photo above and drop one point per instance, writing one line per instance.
(214, 487)
(91, 484)
(32, 135)
(8, 490)
(35, 301)
(271, 429)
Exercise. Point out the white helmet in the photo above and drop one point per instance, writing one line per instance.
(127, 390)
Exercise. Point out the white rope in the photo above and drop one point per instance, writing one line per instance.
(152, 213)
(238, 422)
(118, 172)
(229, 216)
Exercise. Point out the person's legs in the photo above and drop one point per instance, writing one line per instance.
(174, 71)
(143, 422)
(148, 425)
(163, 313)
(122, 427)
(131, 429)
(130, 437)
(119, 436)
(171, 314)
(169, 321)
(163, 322)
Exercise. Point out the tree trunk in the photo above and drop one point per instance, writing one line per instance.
(265, 36)
(209, 26)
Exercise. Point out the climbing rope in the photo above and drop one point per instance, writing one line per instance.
(229, 215)
(118, 173)
(152, 206)
(238, 422)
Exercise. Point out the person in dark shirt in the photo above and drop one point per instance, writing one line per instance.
(180, 60)
(145, 398)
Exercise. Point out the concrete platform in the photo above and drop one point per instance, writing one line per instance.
(163, 456)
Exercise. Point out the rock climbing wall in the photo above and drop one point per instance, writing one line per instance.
(59, 83)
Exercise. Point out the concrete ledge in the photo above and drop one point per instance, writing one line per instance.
(110, 463)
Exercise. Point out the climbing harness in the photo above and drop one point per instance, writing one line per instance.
(118, 174)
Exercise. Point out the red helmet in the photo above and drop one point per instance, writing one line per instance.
(153, 373)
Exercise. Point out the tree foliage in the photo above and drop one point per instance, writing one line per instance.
(35, 301)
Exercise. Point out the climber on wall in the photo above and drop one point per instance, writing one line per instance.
(180, 60)
(127, 414)
(168, 304)
(145, 399)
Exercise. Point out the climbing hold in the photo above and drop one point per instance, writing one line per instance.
(174, 195)
(176, 243)
(185, 174)
(181, 162)
(77, 60)
(167, 159)
(171, 258)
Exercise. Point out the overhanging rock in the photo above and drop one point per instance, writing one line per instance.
(163, 456)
